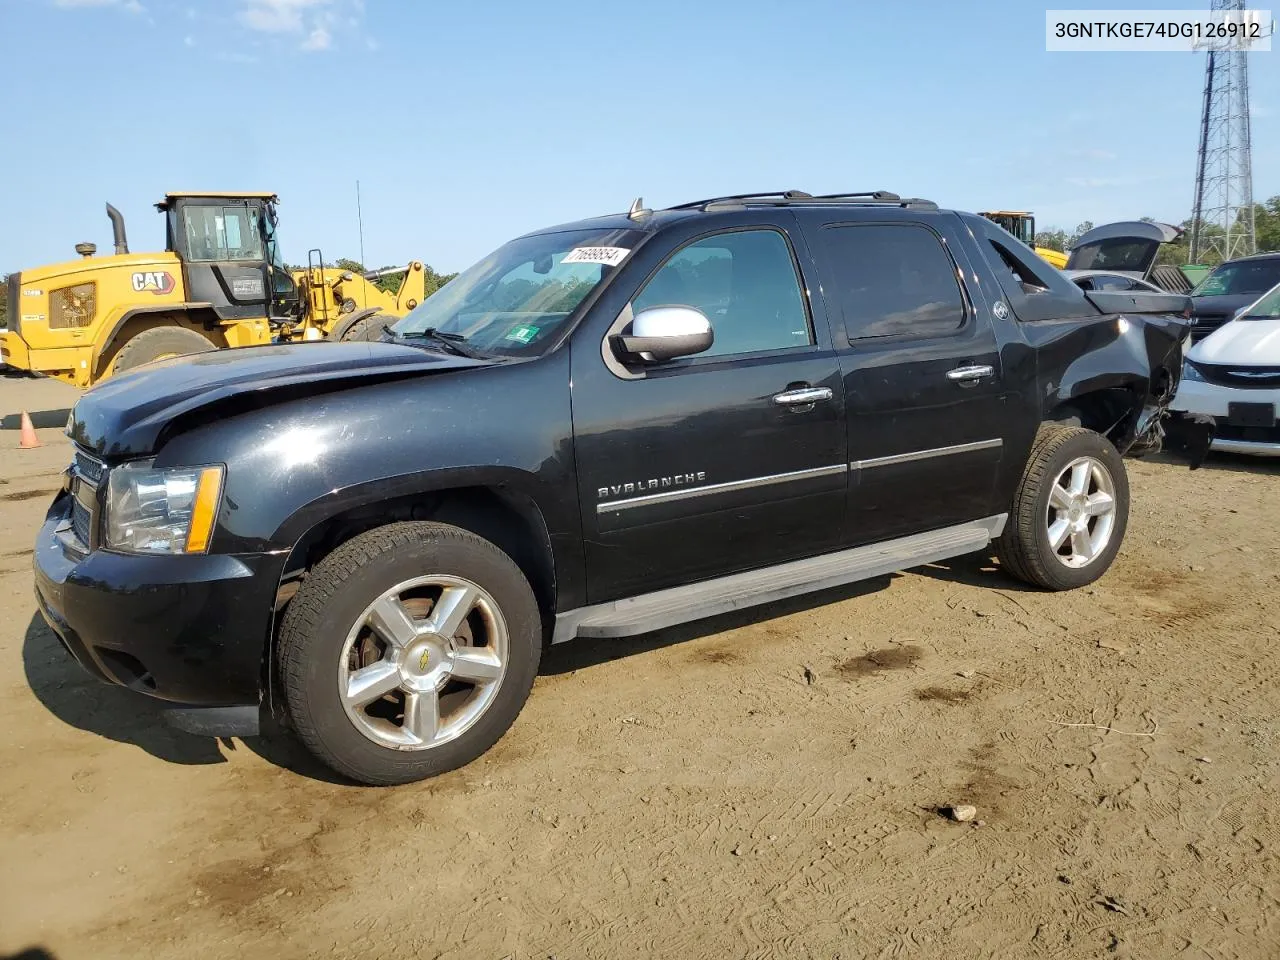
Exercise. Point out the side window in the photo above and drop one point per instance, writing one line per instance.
(746, 285)
(1114, 283)
(1027, 279)
(222, 233)
(892, 280)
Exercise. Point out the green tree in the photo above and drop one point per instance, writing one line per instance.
(1055, 239)
(1266, 222)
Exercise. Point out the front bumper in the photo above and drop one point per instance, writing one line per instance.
(191, 630)
(1214, 400)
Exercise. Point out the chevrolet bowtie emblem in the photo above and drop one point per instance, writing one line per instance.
(424, 660)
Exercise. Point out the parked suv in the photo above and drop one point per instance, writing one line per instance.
(1219, 297)
(602, 428)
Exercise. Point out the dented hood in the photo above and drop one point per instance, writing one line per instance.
(128, 414)
(1254, 343)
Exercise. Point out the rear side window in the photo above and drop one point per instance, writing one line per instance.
(892, 280)
(744, 282)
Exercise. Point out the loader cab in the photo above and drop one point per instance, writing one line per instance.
(1017, 222)
(230, 254)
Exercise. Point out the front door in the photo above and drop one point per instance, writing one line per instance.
(715, 463)
(224, 260)
(928, 411)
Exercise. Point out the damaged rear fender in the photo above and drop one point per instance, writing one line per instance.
(1119, 376)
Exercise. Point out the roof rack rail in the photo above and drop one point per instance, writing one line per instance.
(782, 197)
(776, 194)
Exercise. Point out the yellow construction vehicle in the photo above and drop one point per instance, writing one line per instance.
(220, 282)
(1023, 226)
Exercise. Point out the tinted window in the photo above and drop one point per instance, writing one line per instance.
(1243, 276)
(222, 233)
(1113, 283)
(746, 285)
(1120, 253)
(892, 280)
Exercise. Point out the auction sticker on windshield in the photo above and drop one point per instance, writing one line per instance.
(523, 333)
(609, 256)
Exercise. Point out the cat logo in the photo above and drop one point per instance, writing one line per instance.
(154, 281)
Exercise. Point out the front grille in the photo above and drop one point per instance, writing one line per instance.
(1246, 378)
(89, 468)
(1205, 324)
(84, 505)
(13, 309)
(81, 522)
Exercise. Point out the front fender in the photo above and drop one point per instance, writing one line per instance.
(294, 464)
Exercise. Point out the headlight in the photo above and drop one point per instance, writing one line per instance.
(73, 307)
(1189, 372)
(162, 511)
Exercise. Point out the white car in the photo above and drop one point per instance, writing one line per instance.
(1233, 375)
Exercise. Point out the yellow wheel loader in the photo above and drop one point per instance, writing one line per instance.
(1023, 226)
(220, 282)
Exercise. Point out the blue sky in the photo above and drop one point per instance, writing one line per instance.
(467, 123)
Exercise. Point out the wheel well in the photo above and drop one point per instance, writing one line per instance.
(510, 521)
(1108, 412)
(196, 321)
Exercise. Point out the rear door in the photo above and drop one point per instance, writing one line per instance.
(708, 465)
(927, 410)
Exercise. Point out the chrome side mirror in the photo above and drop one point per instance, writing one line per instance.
(665, 333)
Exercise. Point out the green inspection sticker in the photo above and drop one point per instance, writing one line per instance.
(523, 333)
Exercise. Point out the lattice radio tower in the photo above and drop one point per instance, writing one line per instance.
(1224, 166)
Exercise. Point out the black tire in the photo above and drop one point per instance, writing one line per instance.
(1024, 548)
(330, 602)
(159, 343)
(368, 328)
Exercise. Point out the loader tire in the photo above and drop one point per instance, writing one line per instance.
(159, 343)
(368, 328)
(1069, 512)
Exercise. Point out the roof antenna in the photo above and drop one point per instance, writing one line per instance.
(638, 210)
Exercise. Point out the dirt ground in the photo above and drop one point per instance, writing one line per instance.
(761, 785)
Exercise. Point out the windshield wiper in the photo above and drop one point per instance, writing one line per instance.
(455, 343)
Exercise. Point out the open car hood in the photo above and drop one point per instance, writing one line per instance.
(128, 414)
(1127, 246)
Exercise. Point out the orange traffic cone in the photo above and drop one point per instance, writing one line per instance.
(29, 439)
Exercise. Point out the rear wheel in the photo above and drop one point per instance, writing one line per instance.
(1070, 511)
(159, 343)
(408, 652)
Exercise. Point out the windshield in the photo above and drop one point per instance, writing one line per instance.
(1268, 308)
(516, 300)
(1241, 277)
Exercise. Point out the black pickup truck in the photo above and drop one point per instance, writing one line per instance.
(601, 429)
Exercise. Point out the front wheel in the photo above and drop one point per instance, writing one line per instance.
(408, 651)
(1070, 511)
(159, 343)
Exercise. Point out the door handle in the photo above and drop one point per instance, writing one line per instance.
(977, 371)
(801, 396)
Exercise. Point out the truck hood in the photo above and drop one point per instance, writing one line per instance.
(1253, 343)
(129, 414)
(1225, 304)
